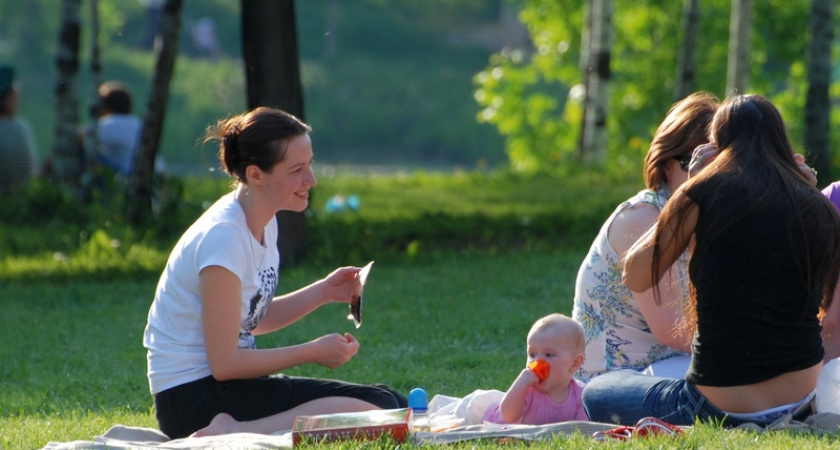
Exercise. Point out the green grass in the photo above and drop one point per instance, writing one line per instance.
(73, 355)
(450, 320)
(73, 362)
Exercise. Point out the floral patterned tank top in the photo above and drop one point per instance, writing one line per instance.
(617, 335)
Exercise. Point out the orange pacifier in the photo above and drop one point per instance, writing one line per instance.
(539, 367)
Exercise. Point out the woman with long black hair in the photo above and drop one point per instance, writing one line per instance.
(765, 259)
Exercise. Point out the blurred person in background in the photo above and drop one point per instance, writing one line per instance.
(18, 154)
(117, 129)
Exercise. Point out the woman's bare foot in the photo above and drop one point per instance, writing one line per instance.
(223, 423)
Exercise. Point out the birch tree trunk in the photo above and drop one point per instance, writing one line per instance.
(817, 102)
(740, 30)
(95, 71)
(272, 72)
(594, 142)
(686, 60)
(91, 142)
(67, 148)
(585, 58)
(141, 180)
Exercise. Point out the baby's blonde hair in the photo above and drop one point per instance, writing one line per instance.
(565, 325)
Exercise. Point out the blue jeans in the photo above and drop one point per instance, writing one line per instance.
(625, 396)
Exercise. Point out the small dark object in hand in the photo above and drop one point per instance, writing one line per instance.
(356, 310)
(356, 302)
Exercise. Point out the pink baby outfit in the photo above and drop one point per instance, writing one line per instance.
(540, 410)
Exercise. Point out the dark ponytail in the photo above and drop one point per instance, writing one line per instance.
(257, 137)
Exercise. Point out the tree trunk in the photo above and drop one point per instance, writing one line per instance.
(92, 135)
(141, 180)
(817, 101)
(95, 67)
(585, 57)
(686, 61)
(272, 72)
(740, 30)
(594, 149)
(67, 150)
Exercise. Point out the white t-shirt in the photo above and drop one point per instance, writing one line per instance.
(118, 137)
(174, 335)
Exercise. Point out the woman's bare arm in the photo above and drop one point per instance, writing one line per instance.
(663, 319)
(221, 302)
(639, 275)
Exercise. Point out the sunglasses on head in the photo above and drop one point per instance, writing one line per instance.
(684, 160)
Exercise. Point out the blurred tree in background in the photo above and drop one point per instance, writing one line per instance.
(272, 71)
(385, 82)
(817, 127)
(535, 97)
(67, 153)
(391, 83)
(141, 182)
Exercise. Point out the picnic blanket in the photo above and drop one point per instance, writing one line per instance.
(126, 437)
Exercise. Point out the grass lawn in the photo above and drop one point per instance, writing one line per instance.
(72, 362)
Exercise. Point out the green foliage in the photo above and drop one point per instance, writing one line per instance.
(389, 82)
(535, 99)
(45, 231)
(389, 87)
(528, 96)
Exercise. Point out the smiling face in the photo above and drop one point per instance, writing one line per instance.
(560, 350)
(287, 185)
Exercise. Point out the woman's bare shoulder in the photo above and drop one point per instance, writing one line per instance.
(630, 224)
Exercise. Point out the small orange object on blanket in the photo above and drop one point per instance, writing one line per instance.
(539, 367)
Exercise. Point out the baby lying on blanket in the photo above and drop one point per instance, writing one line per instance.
(544, 392)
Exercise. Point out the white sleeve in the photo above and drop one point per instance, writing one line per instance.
(223, 245)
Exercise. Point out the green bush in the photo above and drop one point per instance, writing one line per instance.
(45, 232)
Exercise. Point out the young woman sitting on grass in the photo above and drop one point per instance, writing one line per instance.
(765, 260)
(218, 291)
(630, 330)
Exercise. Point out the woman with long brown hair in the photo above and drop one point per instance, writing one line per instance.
(765, 259)
(625, 329)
